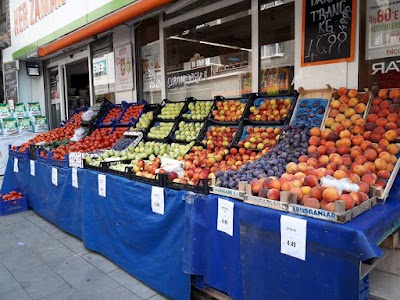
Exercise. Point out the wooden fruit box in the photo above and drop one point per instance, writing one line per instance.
(340, 215)
(335, 96)
(382, 194)
(281, 204)
(222, 191)
(323, 94)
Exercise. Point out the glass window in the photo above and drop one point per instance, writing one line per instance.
(210, 54)
(149, 71)
(276, 46)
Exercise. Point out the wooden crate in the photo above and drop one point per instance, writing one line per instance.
(382, 194)
(340, 215)
(236, 194)
(281, 205)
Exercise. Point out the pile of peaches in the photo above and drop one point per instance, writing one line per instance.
(352, 145)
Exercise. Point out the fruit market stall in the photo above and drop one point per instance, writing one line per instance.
(311, 163)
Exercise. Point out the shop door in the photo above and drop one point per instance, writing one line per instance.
(56, 107)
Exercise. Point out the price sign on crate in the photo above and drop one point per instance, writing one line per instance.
(32, 167)
(102, 184)
(157, 200)
(293, 237)
(225, 216)
(54, 176)
(15, 165)
(74, 177)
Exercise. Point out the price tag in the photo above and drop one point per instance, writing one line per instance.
(75, 177)
(293, 237)
(54, 176)
(157, 200)
(32, 165)
(225, 216)
(15, 165)
(101, 178)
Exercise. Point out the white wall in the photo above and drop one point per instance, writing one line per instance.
(123, 35)
(30, 88)
(316, 77)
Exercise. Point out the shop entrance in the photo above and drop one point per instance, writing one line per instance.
(69, 81)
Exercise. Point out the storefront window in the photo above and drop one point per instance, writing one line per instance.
(210, 54)
(149, 71)
(103, 68)
(276, 46)
(379, 44)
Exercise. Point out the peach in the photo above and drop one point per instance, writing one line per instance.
(311, 149)
(391, 125)
(372, 118)
(391, 135)
(369, 126)
(275, 184)
(393, 158)
(364, 187)
(312, 162)
(385, 156)
(381, 122)
(330, 144)
(352, 102)
(347, 123)
(354, 178)
(286, 186)
(394, 108)
(357, 140)
(389, 167)
(357, 197)
(360, 170)
(380, 164)
(383, 174)
(367, 135)
(312, 202)
(380, 183)
(339, 128)
(342, 150)
(393, 117)
(316, 192)
(355, 117)
(364, 197)
(329, 172)
(255, 186)
(336, 158)
(333, 113)
(298, 192)
(301, 167)
(340, 117)
(342, 168)
(273, 194)
(352, 93)
(345, 134)
(263, 193)
(322, 150)
(383, 113)
(332, 136)
(358, 129)
(330, 206)
(346, 159)
(325, 133)
(394, 93)
(339, 174)
(330, 194)
(292, 168)
(360, 122)
(332, 167)
(383, 143)
(310, 181)
(349, 112)
(368, 178)
(383, 93)
(306, 190)
(343, 107)
(344, 99)
(385, 104)
(297, 183)
(366, 145)
(345, 142)
(335, 104)
(329, 122)
(349, 201)
(360, 160)
(375, 137)
(380, 130)
(360, 108)
(393, 149)
(370, 166)
(303, 158)
(323, 159)
(342, 91)
(300, 176)
(315, 131)
(374, 109)
(355, 153)
(370, 154)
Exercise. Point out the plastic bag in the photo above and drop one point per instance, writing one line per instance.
(341, 185)
(78, 134)
(172, 165)
(89, 114)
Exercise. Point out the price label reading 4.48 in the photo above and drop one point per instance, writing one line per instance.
(225, 216)
(293, 237)
(16, 165)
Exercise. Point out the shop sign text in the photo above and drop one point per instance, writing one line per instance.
(32, 11)
(185, 78)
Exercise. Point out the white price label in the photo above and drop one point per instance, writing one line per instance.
(32, 165)
(157, 200)
(101, 178)
(293, 237)
(54, 176)
(75, 178)
(225, 216)
(16, 165)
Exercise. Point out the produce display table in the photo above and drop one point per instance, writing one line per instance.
(120, 226)
(249, 265)
(14, 140)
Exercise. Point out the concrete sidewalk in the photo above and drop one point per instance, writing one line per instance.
(40, 261)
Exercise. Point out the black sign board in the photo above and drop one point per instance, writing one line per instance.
(11, 81)
(328, 31)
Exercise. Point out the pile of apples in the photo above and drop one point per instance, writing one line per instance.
(14, 195)
(260, 138)
(270, 110)
(57, 134)
(133, 111)
(219, 136)
(113, 113)
(229, 110)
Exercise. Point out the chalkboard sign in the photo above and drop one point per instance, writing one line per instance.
(10, 81)
(328, 31)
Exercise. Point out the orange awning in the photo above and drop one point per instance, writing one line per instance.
(113, 20)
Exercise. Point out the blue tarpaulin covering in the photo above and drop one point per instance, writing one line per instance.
(120, 226)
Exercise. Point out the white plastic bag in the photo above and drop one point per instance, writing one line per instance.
(89, 114)
(341, 185)
(78, 134)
